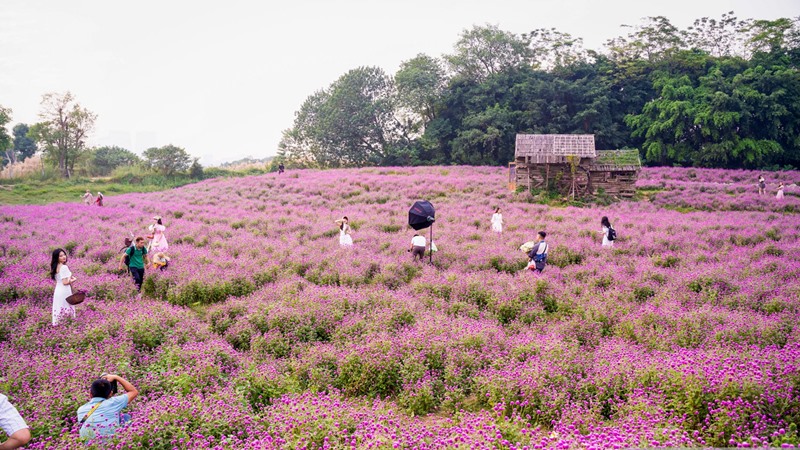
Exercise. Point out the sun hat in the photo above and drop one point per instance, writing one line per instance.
(156, 217)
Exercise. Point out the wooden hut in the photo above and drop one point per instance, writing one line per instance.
(570, 164)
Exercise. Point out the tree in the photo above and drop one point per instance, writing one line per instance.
(168, 159)
(196, 169)
(352, 123)
(723, 37)
(65, 128)
(106, 159)
(552, 49)
(420, 83)
(488, 50)
(5, 140)
(24, 146)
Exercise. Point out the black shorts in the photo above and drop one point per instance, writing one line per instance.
(418, 250)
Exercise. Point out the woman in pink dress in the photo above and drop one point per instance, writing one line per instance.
(158, 242)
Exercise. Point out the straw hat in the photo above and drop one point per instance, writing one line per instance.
(156, 217)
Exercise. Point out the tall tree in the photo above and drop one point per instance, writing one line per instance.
(552, 48)
(352, 123)
(420, 83)
(723, 37)
(64, 130)
(24, 146)
(488, 50)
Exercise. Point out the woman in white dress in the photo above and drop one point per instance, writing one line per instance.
(158, 242)
(344, 232)
(497, 221)
(606, 228)
(64, 279)
(779, 195)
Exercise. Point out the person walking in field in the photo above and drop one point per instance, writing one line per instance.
(13, 426)
(281, 168)
(99, 200)
(762, 185)
(88, 198)
(779, 195)
(609, 233)
(345, 240)
(158, 242)
(137, 258)
(497, 221)
(537, 256)
(418, 244)
(59, 272)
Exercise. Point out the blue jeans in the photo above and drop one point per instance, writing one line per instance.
(138, 277)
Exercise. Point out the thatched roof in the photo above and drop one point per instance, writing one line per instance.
(616, 160)
(539, 145)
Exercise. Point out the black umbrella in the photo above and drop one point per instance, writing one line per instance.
(422, 215)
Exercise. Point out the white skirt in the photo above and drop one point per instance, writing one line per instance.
(345, 240)
(497, 227)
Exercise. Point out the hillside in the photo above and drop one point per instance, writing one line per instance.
(264, 333)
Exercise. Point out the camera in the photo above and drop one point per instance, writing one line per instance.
(114, 387)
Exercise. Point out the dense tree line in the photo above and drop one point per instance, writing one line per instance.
(723, 93)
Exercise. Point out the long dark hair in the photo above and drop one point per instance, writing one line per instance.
(604, 222)
(159, 222)
(341, 225)
(54, 262)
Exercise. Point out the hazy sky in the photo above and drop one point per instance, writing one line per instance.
(223, 79)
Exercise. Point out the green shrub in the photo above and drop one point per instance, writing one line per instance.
(392, 228)
(642, 293)
(565, 257)
(401, 319)
(666, 261)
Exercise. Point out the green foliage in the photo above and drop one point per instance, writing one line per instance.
(103, 160)
(169, 159)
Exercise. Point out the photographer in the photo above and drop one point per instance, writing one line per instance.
(101, 416)
(13, 425)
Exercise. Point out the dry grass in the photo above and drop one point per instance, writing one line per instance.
(25, 168)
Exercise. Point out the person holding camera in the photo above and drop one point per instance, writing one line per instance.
(13, 425)
(101, 416)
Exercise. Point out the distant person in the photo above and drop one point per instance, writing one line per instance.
(137, 258)
(101, 416)
(762, 185)
(160, 261)
(88, 198)
(99, 200)
(779, 195)
(281, 169)
(59, 272)
(418, 244)
(609, 233)
(13, 425)
(158, 242)
(497, 221)
(537, 256)
(345, 240)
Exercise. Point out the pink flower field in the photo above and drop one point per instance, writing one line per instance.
(264, 333)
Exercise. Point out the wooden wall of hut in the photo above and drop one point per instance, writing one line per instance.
(622, 183)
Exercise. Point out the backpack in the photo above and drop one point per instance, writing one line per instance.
(539, 257)
(612, 234)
